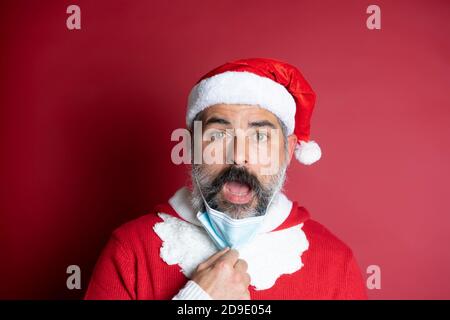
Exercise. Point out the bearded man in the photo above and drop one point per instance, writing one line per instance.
(233, 233)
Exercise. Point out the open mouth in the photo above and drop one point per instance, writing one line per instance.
(237, 193)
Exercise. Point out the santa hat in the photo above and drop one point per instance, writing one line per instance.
(273, 85)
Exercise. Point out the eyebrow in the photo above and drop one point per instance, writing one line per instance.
(262, 123)
(216, 120)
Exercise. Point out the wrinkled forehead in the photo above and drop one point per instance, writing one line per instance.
(238, 116)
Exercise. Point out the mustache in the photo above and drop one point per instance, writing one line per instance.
(209, 186)
(235, 174)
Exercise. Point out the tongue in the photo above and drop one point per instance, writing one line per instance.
(238, 188)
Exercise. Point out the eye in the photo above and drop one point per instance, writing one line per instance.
(261, 136)
(217, 135)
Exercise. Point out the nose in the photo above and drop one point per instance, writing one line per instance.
(240, 149)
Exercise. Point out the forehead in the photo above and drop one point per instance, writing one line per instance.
(239, 112)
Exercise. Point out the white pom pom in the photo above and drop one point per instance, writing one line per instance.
(307, 152)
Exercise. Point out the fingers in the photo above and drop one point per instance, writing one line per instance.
(211, 260)
(231, 257)
(241, 265)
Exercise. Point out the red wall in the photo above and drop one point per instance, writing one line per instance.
(86, 118)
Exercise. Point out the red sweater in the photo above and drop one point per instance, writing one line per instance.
(130, 266)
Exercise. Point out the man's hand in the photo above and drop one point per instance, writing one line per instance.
(224, 276)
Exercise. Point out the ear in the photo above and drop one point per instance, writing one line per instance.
(292, 143)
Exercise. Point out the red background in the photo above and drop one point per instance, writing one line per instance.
(86, 118)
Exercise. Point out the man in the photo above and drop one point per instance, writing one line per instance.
(233, 234)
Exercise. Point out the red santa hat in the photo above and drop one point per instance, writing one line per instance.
(273, 85)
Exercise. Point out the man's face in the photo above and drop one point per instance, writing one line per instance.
(251, 155)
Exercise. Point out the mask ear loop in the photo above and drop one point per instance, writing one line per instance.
(222, 244)
(201, 193)
(270, 202)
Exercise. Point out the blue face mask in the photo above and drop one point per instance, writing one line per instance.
(226, 231)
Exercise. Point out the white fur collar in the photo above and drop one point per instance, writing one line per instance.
(269, 255)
